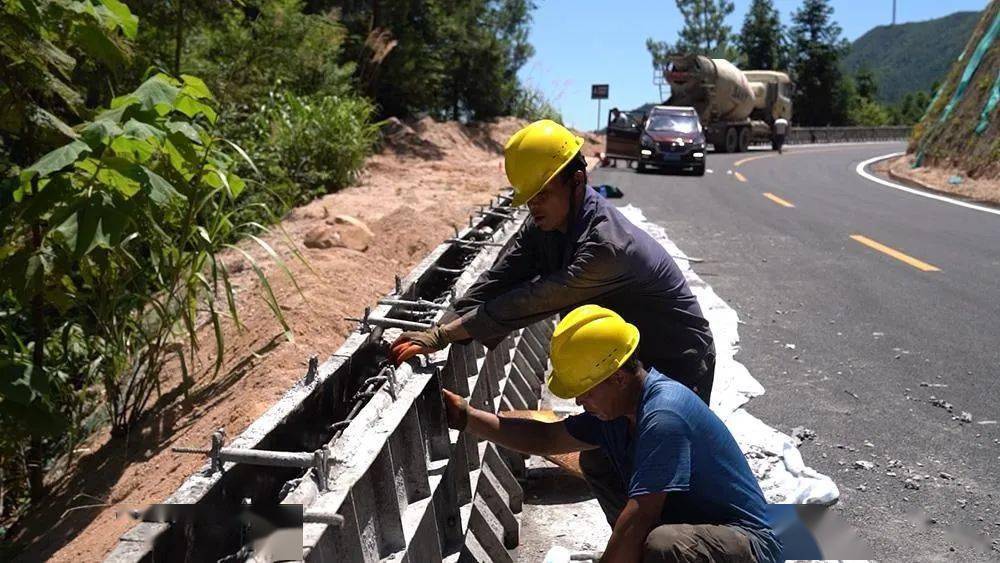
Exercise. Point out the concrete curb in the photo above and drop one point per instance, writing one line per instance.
(922, 191)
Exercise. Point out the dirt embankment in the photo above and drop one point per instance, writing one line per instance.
(410, 197)
(952, 181)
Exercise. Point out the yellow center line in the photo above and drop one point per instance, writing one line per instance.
(920, 265)
(778, 200)
(740, 177)
(748, 159)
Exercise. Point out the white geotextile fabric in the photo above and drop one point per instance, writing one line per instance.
(773, 456)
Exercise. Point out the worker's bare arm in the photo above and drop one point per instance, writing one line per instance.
(527, 436)
(640, 515)
(523, 435)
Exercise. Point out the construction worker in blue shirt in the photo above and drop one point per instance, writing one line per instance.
(681, 489)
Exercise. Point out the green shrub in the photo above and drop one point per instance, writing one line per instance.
(306, 146)
(109, 251)
(868, 113)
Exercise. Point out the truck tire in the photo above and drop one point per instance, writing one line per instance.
(744, 139)
(732, 139)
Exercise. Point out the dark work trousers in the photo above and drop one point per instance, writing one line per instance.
(668, 542)
(779, 142)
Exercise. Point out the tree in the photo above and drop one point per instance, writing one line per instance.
(866, 84)
(456, 59)
(489, 46)
(761, 39)
(864, 107)
(911, 108)
(704, 31)
(822, 97)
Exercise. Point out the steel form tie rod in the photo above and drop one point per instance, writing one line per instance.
(510, 212)
(320, 517)
(472, 242)
(389, 322)
(318, 460)
(421, 304)
(269, 458)
(494, 214)
(448, 270)
(386, 322)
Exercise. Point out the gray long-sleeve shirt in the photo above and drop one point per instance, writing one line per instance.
(605, 260)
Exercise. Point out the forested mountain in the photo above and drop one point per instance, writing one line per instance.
(911, 56)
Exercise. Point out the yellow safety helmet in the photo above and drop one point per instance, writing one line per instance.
(535, 154)
(588, 346)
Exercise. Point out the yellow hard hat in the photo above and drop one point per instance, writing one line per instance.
(588, 345)
(535, 154)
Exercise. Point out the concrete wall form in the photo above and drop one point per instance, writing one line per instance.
(409, 488)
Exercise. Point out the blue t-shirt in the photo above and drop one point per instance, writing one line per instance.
(680, 447)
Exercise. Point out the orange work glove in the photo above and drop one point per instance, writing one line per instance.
(409, 344)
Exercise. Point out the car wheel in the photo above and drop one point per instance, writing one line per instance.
(699, 170)
(640, 167)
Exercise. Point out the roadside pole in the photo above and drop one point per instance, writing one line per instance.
(598, 92)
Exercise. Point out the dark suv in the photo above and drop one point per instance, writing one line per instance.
(672, 139)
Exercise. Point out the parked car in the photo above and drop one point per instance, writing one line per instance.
(622, 136)
(672, 139)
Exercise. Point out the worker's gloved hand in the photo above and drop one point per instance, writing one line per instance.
(409, 344)
(456, 410)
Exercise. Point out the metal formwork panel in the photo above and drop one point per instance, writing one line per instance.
(365, 447)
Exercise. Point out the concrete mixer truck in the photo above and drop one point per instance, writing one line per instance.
(736, 107)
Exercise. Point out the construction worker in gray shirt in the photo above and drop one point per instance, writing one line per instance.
(578, 249)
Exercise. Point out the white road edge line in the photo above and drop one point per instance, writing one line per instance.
(860, 169)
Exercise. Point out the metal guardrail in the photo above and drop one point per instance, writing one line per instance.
(364, 447)
(806, 135)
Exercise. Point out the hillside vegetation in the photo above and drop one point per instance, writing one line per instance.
(911, 56)
(140, 141)
(960, 129)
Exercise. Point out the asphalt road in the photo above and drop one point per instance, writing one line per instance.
(855, 343)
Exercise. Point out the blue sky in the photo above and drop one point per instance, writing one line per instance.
(583, 42)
